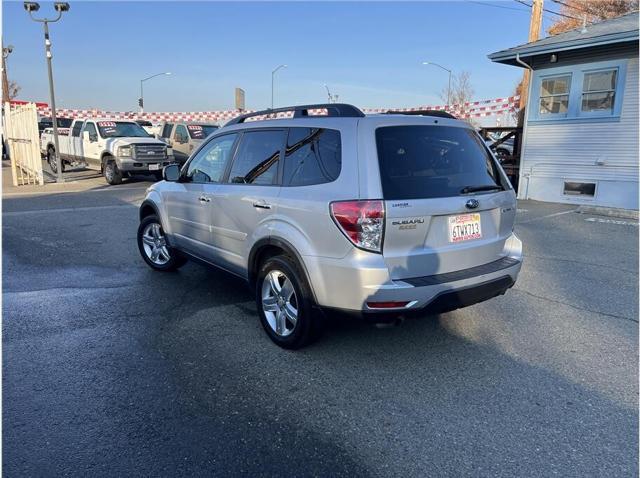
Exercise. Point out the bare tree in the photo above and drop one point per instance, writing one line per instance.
(14, 89)
(461, 89)
(518, 113)
(461, 92)
(590, 10)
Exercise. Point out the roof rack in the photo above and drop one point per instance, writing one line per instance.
(436, 113)
(333, 109)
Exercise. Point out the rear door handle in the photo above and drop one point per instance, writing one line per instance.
(261, 205)
(204, 199)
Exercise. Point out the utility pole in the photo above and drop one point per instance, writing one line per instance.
(6, 51)
(535, 25)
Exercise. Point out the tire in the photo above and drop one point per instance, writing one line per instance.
(112, 174)
(150, 237)
(51, 159)
(272, 305)
(502, 154)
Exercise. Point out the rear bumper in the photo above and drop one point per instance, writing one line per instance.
(443, 302)
(350, 284)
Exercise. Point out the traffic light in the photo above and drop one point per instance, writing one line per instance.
(140, 102)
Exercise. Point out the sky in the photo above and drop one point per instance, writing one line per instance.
(369, 54)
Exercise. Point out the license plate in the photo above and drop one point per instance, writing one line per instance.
(154, 167)
(464, 227)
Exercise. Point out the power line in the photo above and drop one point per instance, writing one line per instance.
(485, 4)
(549, 11)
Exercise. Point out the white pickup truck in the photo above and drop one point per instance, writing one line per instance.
(116, 148)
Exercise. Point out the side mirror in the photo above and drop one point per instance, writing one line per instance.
(171, 172)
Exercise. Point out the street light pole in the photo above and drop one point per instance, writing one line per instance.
(273, 73)
(447, 70)
(141, 101)
(59, 7)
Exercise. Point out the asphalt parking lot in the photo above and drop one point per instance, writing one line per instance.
(112, 369)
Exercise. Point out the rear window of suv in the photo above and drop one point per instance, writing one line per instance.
(424, 161)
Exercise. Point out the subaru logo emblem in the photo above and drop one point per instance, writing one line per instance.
(472, 204)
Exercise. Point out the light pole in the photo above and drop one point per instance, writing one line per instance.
(59, 7)
(141, 100)
(273, 73)
(447, 70)
(6, 51)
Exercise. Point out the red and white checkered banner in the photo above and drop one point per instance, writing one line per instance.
(472, 109)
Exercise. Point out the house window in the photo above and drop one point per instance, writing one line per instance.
(583, 93)
(554, 95)
(598, 90)
(579, 189)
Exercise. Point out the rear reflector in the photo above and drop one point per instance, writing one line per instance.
(361, 221)
(386, 305)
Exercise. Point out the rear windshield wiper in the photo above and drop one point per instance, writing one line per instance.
(475, 189)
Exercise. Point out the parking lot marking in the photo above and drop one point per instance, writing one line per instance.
(76, 191)
(65, 209)
(573, 306)
(547, 216)
(611, 221)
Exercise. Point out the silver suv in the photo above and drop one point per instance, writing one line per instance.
(331, 210)
(185, 137)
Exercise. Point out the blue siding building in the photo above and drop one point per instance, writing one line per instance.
(580, 140)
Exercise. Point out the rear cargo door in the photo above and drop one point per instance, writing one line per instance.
(448, 206)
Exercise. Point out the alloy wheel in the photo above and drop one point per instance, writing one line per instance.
(279, 303)
(155, 244)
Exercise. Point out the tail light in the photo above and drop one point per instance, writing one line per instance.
(361, 221)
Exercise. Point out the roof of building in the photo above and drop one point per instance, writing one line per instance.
(615, 30)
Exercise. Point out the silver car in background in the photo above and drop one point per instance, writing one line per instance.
(185, 137)
(379, 216)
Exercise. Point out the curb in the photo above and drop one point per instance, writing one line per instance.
(609, 211)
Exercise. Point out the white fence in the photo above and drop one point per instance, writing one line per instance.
(21, 134)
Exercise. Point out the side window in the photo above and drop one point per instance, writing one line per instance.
(598, 90)
(554, 95)
(166, 130)
(180, 134)
(77, 127)
(91, 128)
(257, 158)
(313, 156)
(209, 164)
